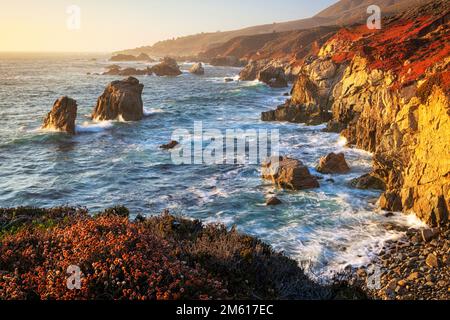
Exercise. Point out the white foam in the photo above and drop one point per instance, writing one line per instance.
(88, 127)
(151, 111)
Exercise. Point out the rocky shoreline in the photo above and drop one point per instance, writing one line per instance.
(414, 267)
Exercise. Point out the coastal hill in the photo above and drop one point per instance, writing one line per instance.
(343, 12)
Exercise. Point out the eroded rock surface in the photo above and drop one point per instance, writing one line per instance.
(121, 100)
(289, 173)
(62, 116)
(333, 163)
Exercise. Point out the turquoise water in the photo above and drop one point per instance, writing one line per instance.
(108, 164)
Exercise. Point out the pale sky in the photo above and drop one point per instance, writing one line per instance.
(109, 25)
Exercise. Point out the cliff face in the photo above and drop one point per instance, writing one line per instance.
(388, 93)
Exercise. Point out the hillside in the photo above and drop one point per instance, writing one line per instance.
(342, 13)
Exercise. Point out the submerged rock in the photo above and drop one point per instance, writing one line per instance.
(62, 116)
(333, 163)
(274, 201)
(289, 173)
(121, 99)
(197, 69)
(171, 145)
(167, 67)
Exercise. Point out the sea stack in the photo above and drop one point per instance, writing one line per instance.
(197, 69)
(121, 100)
(62, 116)
(167, 67)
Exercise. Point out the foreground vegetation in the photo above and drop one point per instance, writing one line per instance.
(162, 257)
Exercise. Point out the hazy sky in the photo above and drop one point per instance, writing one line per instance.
(108, 25)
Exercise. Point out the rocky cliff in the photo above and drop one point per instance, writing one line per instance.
(387, 91)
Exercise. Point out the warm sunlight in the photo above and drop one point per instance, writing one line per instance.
(29, 25)
(232, 156)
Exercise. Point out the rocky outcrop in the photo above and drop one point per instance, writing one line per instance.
(333, 163)
(289, 173)
(121, 100)
(128, 57)
(118, 71)
(309, 114)
(197, 69)
(388, 93)
(62, 116)
(310, 102)
(271, 73)
(167, 67)
(368, 181)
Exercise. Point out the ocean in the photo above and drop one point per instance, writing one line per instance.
(120, 163)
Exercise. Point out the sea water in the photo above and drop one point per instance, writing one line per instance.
(120, 163)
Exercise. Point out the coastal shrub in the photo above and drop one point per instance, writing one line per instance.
(157, 258)
(118, 259)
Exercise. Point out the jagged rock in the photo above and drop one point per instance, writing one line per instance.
(251, 70)
(129, 57)
(121, 99)
(391, 101)
(167, 67)
(197, 69)
(333, 163)
(171, 145)
(289, 173)
(62, 116)
(368, 181)
(273, 75)
(308, 114)
(274, 201)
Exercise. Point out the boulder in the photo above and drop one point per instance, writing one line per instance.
(62, 116)
(333, 163)
(429, 234)
(197, 69)
(121, 99)
(167, 67)
(289, 173)
(368, 181)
